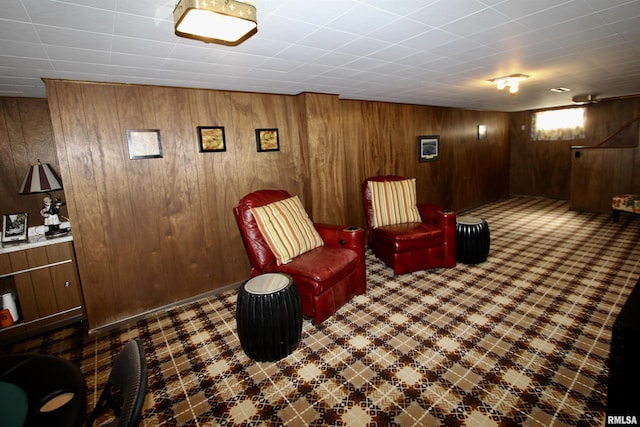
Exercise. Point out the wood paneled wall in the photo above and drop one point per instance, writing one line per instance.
(543, 168)
(598, 174)
(151, 232)
(381, 138)
(25, 137)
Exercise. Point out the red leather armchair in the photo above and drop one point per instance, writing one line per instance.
(412, 246)
(326, 277)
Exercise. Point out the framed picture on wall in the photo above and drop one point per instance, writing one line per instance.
(428, 148)
(144, 143)
(15, 227)
(482, 131)
(211, 138)
(267, 140)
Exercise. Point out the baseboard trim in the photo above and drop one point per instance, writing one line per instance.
(109, 326)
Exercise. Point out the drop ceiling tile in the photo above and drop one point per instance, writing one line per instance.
(255, 45)
(315, 13)
(75, 55)
(620, 12)
(22, 49)
(362, 46)
(27, 65)
(326, 39)
(430, 40)
(284, 29)
(517, 9)
(301, 53)
(361, 19)
(57, 36)
(141, 27)
(68, 15)
(476, 23)
(398, 30)
(442, 12)
(18, 31)
(136, 61)
(561, 13)
(132, 45)
(14, 11)
(81, 68)
(149, 8)
(394, 53)
(497, 35)
(277, 64)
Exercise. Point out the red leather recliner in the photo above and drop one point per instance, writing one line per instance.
(412, 246)
(326, 277)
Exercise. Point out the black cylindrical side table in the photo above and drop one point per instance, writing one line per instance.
(473, 240)
(269, 317)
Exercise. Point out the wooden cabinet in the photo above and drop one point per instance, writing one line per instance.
(46, 283)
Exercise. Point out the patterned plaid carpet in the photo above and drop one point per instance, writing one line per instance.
(521, 339)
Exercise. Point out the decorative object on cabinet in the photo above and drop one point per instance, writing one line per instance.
(326, 277)
(144, 143)
(211, 138)
(41, 178)
(267, 140)
(14, 227)
(406, 235)
(428, 148)
(226, 22)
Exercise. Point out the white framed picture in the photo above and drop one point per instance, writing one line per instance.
(14, 227)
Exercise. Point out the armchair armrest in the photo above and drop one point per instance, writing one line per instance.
(350, 238)
(340, 235)
(429, 213)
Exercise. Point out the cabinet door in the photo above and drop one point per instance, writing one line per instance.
(64, 276)
(5, 264)
(65, 286)
(24, 286)
(42, 282)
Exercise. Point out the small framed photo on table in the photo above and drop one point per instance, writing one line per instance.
(428, 148)
(267, 140)
(15, 228)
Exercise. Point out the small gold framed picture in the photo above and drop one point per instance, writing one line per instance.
(267, 140)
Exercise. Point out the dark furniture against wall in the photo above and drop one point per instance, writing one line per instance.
(412, 246)
(326, 277)
(623, 398)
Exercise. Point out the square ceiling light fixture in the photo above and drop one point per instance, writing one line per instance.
(225, 22)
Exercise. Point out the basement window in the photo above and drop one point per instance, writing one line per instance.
(552, 125)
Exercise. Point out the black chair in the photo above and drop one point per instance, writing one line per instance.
(55, 388)
(126, 387)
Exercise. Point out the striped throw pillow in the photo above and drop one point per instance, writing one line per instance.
(287, 228)
(394, 202)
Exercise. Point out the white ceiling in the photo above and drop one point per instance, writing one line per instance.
(432, 52)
